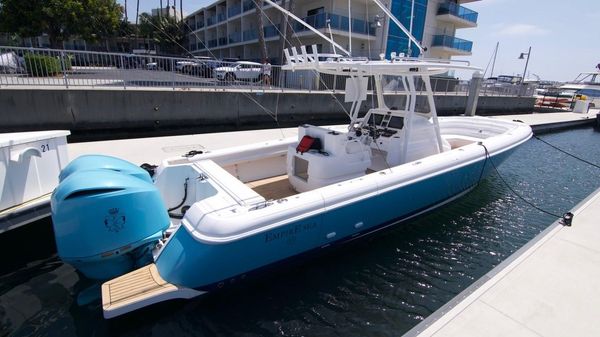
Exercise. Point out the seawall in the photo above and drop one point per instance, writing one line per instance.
(84, 110)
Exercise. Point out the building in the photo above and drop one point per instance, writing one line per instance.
(229, 28)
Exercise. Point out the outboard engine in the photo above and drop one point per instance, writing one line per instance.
(107, 218)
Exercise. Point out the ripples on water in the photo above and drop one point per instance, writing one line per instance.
(380, 286)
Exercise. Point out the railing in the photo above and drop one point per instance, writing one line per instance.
(223, 41)
(211, 20)
(271, 31)
(451, 42)
(221, 17)
(212, 43)
(37, 68)
(249, 5)
(458, 10)
(338, 22)
(235, 37)
(234, 10)
(250, 35)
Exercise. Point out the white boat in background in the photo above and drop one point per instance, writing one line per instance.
(207, 221)
(586, 85)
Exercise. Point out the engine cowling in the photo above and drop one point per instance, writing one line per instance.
(107, 221)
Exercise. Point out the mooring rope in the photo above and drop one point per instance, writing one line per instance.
(488, 158)
(565, 152)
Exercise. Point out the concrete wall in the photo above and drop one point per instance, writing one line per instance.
(81, 110)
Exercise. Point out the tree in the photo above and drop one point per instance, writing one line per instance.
(61, 19)
(165, 31)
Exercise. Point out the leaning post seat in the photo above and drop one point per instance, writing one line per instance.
(323, 157)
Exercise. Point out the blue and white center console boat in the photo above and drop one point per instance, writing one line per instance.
(207, 221)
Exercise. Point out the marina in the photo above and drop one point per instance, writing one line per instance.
(151, 183)
(405, 274)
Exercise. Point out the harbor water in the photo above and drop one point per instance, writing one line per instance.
(380, 286)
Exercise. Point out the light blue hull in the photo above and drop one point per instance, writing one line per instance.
(194, 264)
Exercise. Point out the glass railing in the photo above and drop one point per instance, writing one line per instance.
(211, 20)
(212, 43)
(271, 31)
(458, 10)
(250, 34)
(234, 10)
(452, 42)
(338, 22)
(222, 41)
(221, 17)
(235, 37)
(249, 5)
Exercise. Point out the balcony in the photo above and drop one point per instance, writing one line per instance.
(212, 43)
(450, 45)
(249, 5)
(235, 37)
(271, 31)
(234, 10)
(460, 16)
(211, 20)
(338, 22)
(250, 35)
(223, 41)
(221, 17)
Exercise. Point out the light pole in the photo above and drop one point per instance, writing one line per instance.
(526, 63)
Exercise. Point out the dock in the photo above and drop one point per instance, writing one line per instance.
(554, 121)
(156, 149)
(550, 287)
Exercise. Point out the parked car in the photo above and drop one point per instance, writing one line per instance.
(243, 70)
(152, 66)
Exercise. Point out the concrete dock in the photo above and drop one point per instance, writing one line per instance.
(553, 121)
(550, 287)
(156, 149)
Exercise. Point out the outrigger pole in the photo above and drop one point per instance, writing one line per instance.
(313, 29)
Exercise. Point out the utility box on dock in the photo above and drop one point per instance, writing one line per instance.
(30, 163)
(581, 106)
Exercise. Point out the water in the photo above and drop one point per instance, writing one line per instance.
(381, 286)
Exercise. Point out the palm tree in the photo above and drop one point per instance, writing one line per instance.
(160, 9)
(261, 30)
(126, 18)
(180, 9)
(283, 31)
(137, 12)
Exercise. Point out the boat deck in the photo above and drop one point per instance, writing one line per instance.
(273, 188)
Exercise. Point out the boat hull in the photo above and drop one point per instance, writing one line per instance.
(205, 266)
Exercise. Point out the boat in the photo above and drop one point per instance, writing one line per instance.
(208, 220)
(585, 86)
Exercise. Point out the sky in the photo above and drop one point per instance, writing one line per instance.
(564, 35)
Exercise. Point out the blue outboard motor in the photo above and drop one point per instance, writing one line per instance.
(106, 221)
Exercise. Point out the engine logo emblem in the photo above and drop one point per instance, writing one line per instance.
(115, 220)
